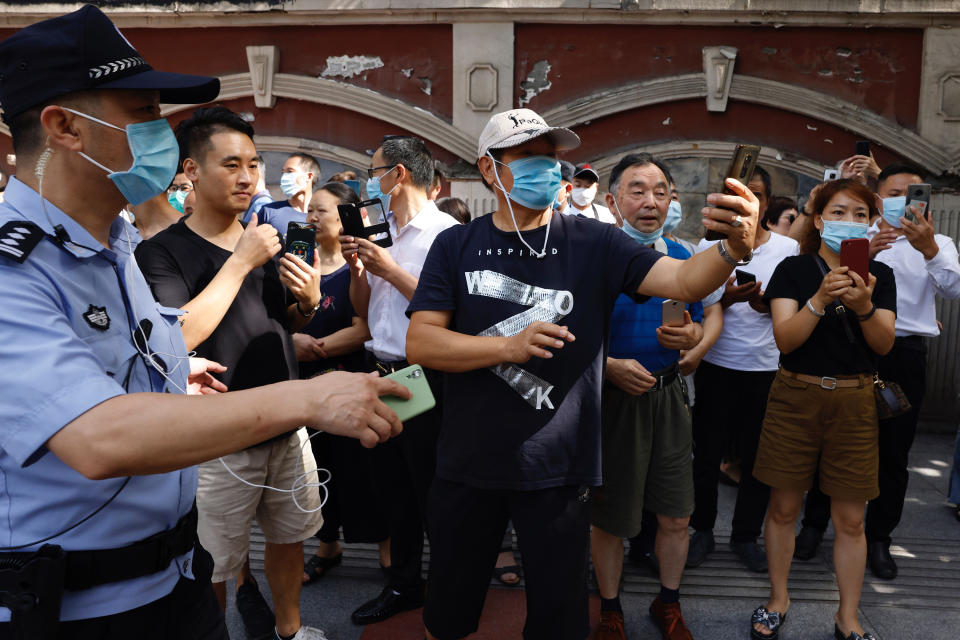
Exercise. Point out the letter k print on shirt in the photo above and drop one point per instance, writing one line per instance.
(546, 305)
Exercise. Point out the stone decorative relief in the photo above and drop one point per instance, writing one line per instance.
(482, 87)
(950, 97)
(718, 65)
(264, 63)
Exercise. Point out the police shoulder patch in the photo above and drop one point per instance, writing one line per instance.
(17, 239)
(97, 317)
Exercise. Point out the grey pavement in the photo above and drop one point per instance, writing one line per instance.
(718, 597)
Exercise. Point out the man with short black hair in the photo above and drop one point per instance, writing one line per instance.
(224, 276)
(586, 183)
(382, 281)
(299, 176)
(435, 185)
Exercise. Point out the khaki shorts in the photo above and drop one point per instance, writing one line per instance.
(227, 506)
(807, 426)
(647, 445)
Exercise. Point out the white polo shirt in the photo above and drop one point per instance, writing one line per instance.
(746, 342)
(595, 211)
(386, 314)
(919, 280)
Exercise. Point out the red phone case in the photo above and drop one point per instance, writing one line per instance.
(855, 254)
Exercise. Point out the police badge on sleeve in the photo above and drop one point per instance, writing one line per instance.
(97, 317)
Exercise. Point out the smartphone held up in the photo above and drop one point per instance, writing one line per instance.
(745, 158)
(855, 254)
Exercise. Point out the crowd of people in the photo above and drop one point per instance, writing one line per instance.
(595, 375)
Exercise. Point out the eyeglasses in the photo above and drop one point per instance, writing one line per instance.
(386, 166)
(186, 188)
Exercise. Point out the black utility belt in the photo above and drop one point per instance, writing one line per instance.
(384, 367)
(664, 377)
(86, 569)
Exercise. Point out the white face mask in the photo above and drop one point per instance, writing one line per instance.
(583, 197)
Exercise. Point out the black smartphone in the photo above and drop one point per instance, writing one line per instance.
(918, 195)
(745, 277)
(741, 167)
(862, 148)
(366, 219)
(301, 240)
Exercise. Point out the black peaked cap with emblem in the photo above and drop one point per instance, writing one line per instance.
(80, 51)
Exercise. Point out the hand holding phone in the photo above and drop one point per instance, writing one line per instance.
(672, 313)
(918, 195)
(855, 254)
(374, 228)
(302, 240)
(745, 158)
(414, 379)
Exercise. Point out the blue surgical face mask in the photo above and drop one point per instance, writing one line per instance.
(289, 184)
(536, 185)
(536, 181)
(836, 231)
(155, 158)
(374, 192)
(176, 199)
(642, 237)
(674, 216)
(893, 209)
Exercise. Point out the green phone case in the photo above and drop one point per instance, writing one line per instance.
(415, 379)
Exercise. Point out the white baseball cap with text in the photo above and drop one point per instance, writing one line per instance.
(516, 126)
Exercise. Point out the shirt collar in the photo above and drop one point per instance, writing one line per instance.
(421, 220)
(26, 202)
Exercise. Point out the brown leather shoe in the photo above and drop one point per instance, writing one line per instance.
(610, 627)
(670, 620)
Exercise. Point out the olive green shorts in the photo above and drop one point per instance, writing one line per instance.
(647, 445)
(807, 428)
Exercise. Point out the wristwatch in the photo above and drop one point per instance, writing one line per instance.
(729, 259)
(309, 313)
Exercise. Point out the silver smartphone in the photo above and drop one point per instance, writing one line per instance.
(831, 174)
(673, 313)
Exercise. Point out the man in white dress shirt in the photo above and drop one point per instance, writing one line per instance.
(382, 281)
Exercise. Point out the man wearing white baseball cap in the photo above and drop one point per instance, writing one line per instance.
(511, 307)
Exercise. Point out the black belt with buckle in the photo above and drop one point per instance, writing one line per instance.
(665, 377)
(86, 569)
(385, 366)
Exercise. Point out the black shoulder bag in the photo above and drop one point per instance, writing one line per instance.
(890, 398)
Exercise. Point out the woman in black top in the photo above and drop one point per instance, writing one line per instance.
(332, 341)
(831, 327)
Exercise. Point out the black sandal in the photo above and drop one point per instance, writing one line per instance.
(770, 619)
(499, 572)
(853, 634)
(317, 567)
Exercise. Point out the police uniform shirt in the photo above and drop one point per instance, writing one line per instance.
(65, 325)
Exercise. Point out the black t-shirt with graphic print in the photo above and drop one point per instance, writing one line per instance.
(534, 425)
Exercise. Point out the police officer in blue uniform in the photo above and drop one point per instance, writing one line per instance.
(97, 442)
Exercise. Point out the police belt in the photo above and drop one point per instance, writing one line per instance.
(86, 569)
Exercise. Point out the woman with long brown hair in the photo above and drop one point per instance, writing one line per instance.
(831, 326)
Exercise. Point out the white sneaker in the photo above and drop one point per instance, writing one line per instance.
(307, 633)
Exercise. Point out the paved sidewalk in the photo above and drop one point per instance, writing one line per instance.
(718, 597)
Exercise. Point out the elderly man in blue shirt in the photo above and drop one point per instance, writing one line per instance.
(646, 426)
(97, 441)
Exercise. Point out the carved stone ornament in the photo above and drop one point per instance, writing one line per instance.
(950, 97)
(482, 87)
(264, 63)
(718, 65)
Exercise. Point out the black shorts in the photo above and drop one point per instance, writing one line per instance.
(466, 531)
